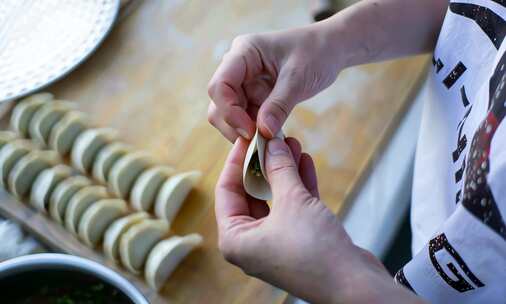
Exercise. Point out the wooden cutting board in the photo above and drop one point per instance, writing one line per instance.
(149, 80)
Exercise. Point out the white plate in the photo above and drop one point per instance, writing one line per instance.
(40, 41)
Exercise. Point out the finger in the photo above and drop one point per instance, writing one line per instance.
(257, 90)
(237, 117)
(231, 72)
(227, 131)
(225, 89)
(307, 173)
(252, 111)
(229, 193)
(258, 208)
(280, 102)
(217, 121)
(295, 147)
(282, 172)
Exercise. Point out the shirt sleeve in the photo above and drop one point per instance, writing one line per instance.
(465, 261)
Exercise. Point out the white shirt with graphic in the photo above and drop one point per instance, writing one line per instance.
(458, 210)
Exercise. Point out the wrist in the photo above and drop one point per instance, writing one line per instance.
(366, 280)
(358, 277)
(346, 274)
(353, 37)
(344, 41)
(316, 41)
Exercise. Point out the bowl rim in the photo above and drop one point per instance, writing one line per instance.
(59, 261)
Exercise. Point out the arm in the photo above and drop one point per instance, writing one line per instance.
(263, 76)
(299, 244)
(375, 30)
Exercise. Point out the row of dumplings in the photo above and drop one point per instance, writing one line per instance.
(136, 240)
(97, 214)
(131, 175)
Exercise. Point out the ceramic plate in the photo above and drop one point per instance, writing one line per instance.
(40, 41)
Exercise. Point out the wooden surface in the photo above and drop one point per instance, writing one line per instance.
(149, 80)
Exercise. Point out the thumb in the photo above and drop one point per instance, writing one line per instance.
(277, 106)
(281, 168)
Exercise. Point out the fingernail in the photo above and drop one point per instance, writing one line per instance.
(272, 124)
(243, 133)
(277, 147)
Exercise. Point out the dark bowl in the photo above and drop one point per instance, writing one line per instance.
(26, 272)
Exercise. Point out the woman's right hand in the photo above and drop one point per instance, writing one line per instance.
(299, 244)
(263, 76)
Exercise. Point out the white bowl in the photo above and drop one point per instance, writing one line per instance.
(56, 261)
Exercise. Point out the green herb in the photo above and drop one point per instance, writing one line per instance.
(44, 290)
(58, 288)
(64, 300)
(255, 168)
(97, 287)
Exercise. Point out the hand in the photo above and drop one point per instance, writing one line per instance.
(264, 76)
(299, 245)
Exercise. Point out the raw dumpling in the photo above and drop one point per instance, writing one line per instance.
(45, 118)
(146, 187)
(137, 242)
(10, 153)
(23, 112)
(7, 136)
(172, 194)
(45, 183)
(62, 193)
(106, 158)
(98, 217)
(115, 231)
(27, 168)
(87, 145)
(165, 257)
(78, 204)
(254, 176)
(64, 132)
(124, 172)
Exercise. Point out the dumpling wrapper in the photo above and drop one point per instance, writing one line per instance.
(115, 231)
(137, 242)
(106, 158)
(147, 185)
(23, 112)
(98, 217)
(62, 193)
(78, 204)
(125, 171)
(27, 168)
(45, 183)
(166, 256)
(45, 118)
(7, 136)
(173, 193)
(10, 153)
(257, 186)
(87, 145)
(66, 130)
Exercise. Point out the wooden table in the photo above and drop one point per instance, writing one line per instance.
(149, 80)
